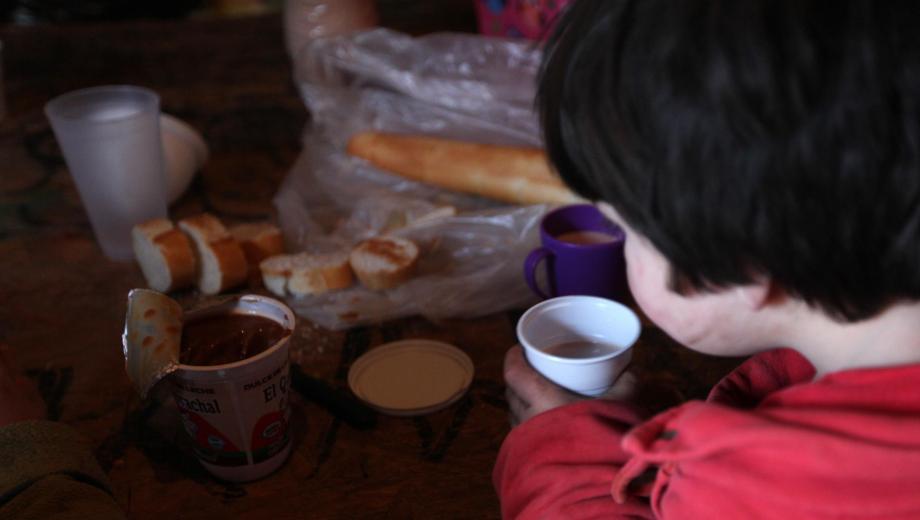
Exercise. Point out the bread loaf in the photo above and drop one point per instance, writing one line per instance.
(304, 274)
(221, 262)
(511, 174)
(383, 262)
(164, 254)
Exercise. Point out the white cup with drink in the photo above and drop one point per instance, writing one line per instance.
(581, 343)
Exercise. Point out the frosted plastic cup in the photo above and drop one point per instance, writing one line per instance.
(581, 343)
(237, 414)
(110, 137)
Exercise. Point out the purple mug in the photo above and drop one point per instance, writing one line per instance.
(583, 251)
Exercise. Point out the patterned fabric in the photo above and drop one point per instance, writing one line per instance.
(531, 19)
(49, 472)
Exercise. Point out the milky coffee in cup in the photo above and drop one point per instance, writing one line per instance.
(580, 253)
(582, 343)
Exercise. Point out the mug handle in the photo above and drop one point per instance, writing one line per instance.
(530, 269)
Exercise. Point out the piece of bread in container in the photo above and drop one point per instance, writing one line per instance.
(519, 175)
(305, 274)
(164, 254)
(221, 262)
(384, 262)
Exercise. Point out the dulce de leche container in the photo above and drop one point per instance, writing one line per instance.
(237, 414)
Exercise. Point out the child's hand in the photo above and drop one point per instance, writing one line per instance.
(19, 399)
(530, 394)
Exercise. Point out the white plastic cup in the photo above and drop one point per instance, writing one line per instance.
(110, 137)
(237, 415)
(579, 318)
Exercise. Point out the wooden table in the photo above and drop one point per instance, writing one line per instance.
(63, 303)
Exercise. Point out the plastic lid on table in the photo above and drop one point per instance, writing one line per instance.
(411, 377)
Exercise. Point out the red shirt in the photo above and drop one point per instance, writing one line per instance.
(768, 443)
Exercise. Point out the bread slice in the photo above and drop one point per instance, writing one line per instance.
(221, 262)
(519, 175)
(384, 262)
(304, 274)
(164, 254)
(275, 273)
(259, 241)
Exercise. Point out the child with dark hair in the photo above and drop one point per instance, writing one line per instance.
(764, 158)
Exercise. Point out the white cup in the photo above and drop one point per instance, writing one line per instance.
(605, 329)
(110, 138)
(184, 153)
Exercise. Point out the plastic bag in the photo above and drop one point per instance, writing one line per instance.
(457, 86)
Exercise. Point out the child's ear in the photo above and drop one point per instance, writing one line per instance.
(759, 294)
(607, 210)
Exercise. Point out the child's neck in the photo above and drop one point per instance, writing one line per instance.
(888, 339)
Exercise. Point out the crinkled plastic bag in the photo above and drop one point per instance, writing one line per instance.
(456, 86)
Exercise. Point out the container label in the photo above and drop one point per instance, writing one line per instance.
(236, 421)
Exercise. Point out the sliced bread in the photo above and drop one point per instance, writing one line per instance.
(164, 254)
(259, 241)
(304, 274)
(221, 262)
(384, 262)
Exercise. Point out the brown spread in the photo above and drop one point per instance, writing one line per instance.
(227, 338)
(392, 252)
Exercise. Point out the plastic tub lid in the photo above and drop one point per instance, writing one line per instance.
(411, 377)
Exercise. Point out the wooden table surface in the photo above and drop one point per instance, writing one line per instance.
(63, 303)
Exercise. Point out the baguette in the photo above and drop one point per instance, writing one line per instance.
(221, 262)
(305, 274)
(164, 254)
(383, 262)
(517, 175)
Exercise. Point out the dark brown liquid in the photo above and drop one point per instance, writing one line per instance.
(580, 349)
(586, 237)
(227, 338)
